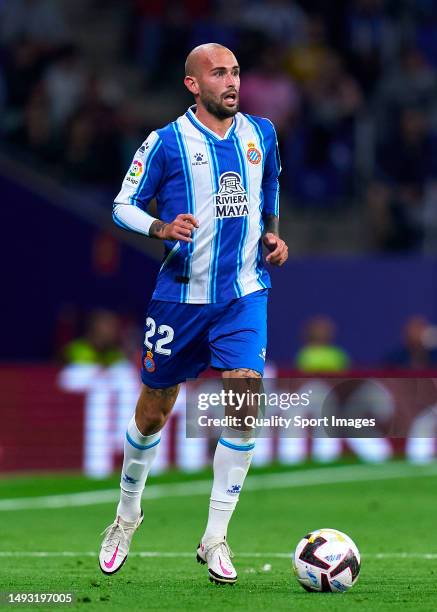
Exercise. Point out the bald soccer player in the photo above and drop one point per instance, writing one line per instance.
(214, 173)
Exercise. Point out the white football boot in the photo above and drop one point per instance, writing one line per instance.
(217, 555)
(116, 543)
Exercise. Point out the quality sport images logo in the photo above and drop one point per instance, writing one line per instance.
(135, 171)
(231, 200)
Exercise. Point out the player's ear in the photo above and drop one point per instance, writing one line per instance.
(192, 85)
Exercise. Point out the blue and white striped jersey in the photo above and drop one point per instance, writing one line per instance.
(228, 184)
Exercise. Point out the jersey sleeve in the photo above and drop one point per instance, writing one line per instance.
(270, 182)
(140, 185)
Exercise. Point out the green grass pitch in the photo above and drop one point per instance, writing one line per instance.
(389, 510)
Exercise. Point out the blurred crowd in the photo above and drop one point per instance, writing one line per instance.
(351, 86)
(417, 348)
(102, 337)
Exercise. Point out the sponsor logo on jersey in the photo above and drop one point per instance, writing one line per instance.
(231, 200)
(199, 160)
(143, 148)
(149, 362)
(253, 154)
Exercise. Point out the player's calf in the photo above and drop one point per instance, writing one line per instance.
(231, 463)
(154, 407)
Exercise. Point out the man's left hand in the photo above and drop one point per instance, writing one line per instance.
(277, 247)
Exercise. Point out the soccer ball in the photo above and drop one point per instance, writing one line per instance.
(326, 560)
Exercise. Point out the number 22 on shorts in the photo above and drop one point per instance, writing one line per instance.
(165, 331)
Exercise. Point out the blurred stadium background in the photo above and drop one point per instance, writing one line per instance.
(351, 86)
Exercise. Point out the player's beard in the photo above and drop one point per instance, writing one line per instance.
(217, 108)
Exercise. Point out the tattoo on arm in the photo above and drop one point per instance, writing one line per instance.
(156, 228)
(271, 224)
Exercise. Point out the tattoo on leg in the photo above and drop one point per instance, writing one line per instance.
(154, 407)
(169, 392)
(241, 373)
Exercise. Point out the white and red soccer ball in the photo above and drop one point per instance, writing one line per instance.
(326, 560)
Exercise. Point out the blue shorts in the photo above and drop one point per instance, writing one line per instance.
(182, 340)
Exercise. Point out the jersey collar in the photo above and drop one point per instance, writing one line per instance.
(200, 126)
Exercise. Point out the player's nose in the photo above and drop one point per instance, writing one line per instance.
(231, 80)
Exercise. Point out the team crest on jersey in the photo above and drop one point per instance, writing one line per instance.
(149, 362)
(253, 154)
(231, 200)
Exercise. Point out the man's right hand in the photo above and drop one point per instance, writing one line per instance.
(179, 229)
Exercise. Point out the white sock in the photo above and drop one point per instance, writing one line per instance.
(139, 453)
(231, 462)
